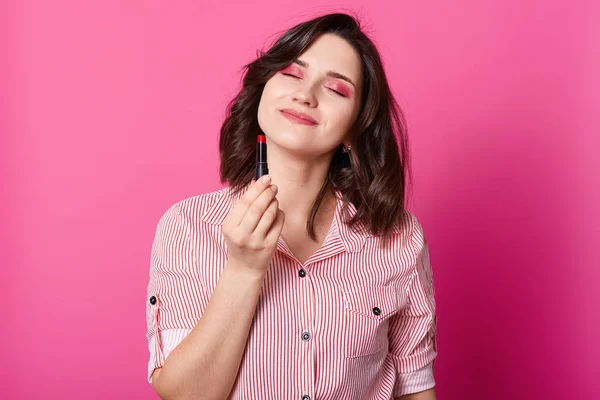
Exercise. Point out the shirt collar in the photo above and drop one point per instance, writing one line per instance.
(352, 238)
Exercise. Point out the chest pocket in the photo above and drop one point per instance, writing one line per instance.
(367, 313)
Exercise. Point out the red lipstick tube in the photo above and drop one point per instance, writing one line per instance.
(261, 156)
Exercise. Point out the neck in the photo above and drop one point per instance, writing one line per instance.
(299, 183)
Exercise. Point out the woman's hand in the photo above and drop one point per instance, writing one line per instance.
(253, 226)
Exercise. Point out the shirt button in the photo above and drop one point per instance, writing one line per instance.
(302, 273)
(306, 397)
(376, 311)
(306, 336)
(153, 300)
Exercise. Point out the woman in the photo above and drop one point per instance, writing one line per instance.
(313, 282)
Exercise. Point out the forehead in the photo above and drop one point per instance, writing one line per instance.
(331, 52)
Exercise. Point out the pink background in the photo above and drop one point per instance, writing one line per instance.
(109, 114)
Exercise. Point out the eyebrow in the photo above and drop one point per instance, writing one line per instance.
(333, 74)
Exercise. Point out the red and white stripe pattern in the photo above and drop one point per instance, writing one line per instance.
(360, 323)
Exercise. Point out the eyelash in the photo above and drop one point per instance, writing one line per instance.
(294, 76)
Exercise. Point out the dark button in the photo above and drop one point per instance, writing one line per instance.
(153, 300)
(376, 311)
(305, 336)
(302, 273)
(305, 397)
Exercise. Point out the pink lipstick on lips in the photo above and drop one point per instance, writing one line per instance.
(261, 156)
(298, 117)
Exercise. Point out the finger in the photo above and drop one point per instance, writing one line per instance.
(256, 210)
(267, 219)
(276, 228)
(241, 208)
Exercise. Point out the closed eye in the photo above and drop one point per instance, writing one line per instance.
(335, 91)
(297, 77)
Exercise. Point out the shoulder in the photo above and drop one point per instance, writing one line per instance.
(407, 240)
(408, 227)
(414, 227)
(413, 230)
(192, 210)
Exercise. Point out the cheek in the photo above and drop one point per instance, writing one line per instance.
(337, 124)
(277, 84)
(270, 100)
(268, 97)
(264, 106)
(340, 117)
(268, 90)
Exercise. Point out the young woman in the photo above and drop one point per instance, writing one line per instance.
(313, 282)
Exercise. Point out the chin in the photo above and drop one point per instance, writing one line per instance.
(288, 138)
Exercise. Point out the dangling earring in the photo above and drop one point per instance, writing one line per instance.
(346, 157)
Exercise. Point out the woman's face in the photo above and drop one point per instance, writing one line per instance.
(324, 83)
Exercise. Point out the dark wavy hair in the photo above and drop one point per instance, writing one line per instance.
(372, 176)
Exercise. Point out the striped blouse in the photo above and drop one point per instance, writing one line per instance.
(355, 321)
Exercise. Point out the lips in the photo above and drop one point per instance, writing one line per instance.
(297, 116)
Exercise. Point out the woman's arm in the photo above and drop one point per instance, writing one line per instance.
(205, 364)
(425, 395)
(412, 330)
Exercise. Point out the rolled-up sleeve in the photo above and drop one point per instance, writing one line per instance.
(412, 333)
(173, 300)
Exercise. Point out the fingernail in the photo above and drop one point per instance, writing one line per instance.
(274, 188)
(265, 179)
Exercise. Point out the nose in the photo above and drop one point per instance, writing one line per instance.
(305, 95)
